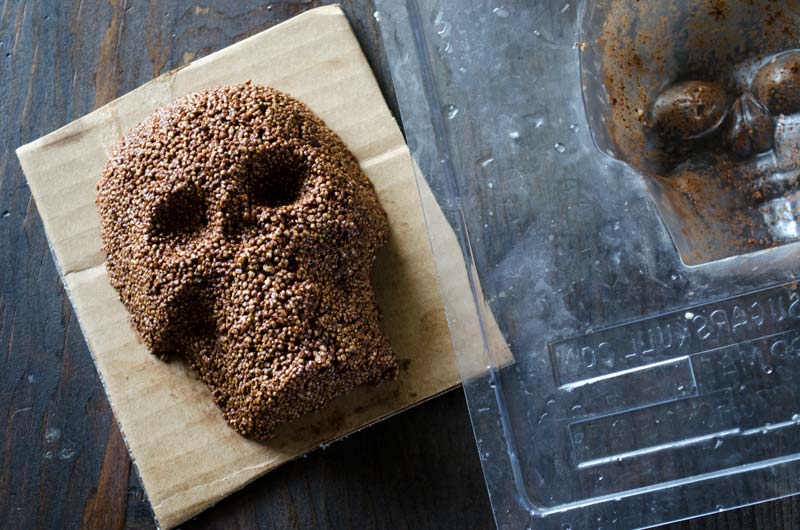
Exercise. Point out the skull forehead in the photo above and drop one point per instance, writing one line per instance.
(207, 137)
(233, 151)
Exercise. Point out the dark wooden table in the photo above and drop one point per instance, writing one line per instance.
(63, 463)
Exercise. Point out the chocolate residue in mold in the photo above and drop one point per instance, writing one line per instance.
(240, 233)
(704, 102)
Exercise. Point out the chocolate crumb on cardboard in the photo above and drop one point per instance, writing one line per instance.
(240, 233)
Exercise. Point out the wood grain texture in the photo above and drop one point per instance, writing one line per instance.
(63, 463)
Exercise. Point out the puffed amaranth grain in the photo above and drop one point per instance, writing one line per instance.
(240, 233)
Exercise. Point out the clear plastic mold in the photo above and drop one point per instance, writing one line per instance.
(654, 324)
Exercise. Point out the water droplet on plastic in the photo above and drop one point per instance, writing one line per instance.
(718, 444)
(377, 16)
(537, 33)
(66, 453)
(796, 418)
(52, 434)
(450, 111)
(6, 214)
(564, 9)
(768, 370)
(31, 378)
(490, 184)
(600, 478)
(688, 315)
(440, 25)
(269, 7)
(501, 12)
(48, 455)
(485, 161)
(559, 147)
(720, 508)
(514, 135)
(574, 128)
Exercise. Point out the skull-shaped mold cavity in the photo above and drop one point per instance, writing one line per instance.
(703, 99)
(240, 233)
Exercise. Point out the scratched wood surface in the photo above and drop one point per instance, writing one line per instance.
(63, 463)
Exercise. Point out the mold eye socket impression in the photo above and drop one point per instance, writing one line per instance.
(777, 84)
(689, 109)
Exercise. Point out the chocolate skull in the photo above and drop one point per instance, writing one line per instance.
(240, 233)
(702, 98)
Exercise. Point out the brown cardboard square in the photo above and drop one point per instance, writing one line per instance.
(187, 456)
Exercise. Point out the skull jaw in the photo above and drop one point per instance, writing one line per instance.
(306, 392)
(258, 404)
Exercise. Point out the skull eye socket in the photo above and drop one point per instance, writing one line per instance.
(777, 84)
(689, 110)
(276, 177)
(181, 213)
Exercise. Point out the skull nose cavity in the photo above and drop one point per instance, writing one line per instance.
(181, 213)
(187, 326)
(750, 129)
(276, 177)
